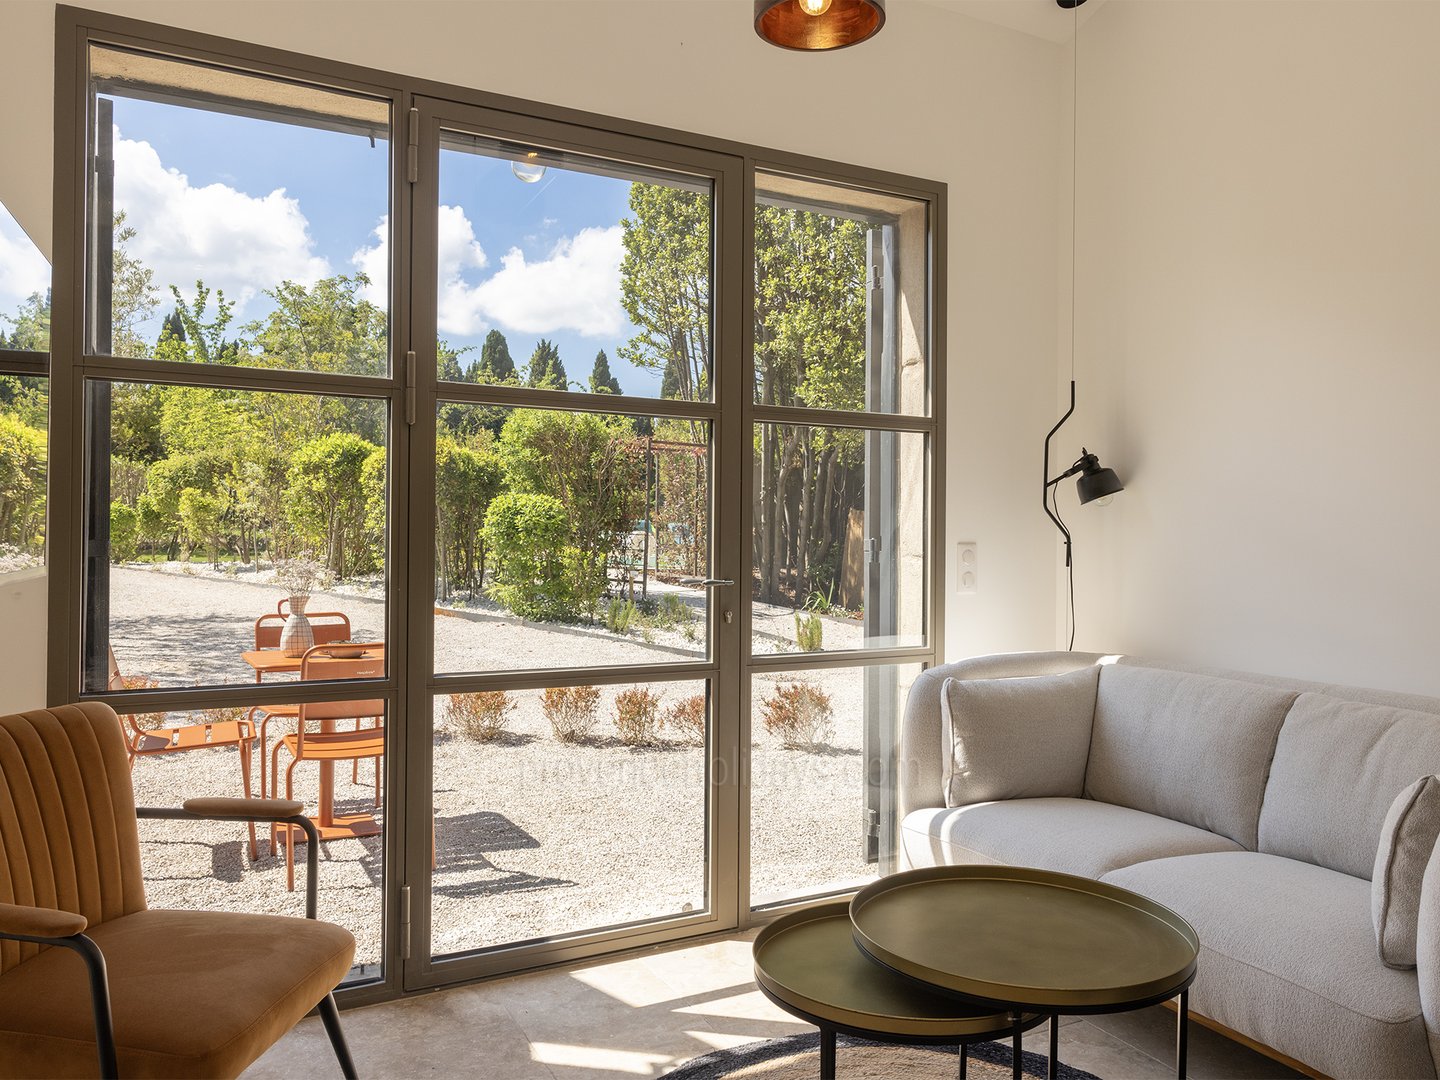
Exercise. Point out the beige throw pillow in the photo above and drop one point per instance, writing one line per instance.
(1017, 738)
(1406, 840)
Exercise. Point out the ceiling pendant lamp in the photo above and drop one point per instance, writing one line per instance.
(818, 25)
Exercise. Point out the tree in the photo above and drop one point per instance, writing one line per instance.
(527, 533)
(601, 381)
(322, 327)
(546, 370)
(326, 500)
(466, 480)
(22, 485)
(594, 467)
(495, 364)
(133, 296)
(31, 324)
(202, 519)
(665, 287)
(203, 341)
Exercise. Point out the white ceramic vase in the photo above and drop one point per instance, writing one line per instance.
(297, 636)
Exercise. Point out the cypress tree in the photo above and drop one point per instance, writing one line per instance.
(601, 380)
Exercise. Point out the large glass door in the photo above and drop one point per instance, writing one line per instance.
(572, 494)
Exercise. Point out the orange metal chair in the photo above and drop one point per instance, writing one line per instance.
(328, 627)
(327, 745)
(140, 742)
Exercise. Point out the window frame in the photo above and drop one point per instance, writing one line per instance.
(407, 687)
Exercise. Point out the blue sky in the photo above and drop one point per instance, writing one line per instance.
(246, 203)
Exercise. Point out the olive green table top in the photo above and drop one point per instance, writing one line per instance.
(808, 962)
(1029, 938)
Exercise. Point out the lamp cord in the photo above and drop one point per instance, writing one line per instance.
(1069, 568)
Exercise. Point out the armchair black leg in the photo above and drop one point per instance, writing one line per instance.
(330, 1017)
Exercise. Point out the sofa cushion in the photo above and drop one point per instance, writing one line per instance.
(1338, 766)
(1190, 747)
(1406, 840)
(1073, 836)
(1287, 957)
(1017, 738)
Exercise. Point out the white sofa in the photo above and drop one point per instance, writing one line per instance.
(1249, 804)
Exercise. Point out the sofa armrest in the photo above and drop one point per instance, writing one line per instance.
(23, 921)
(921, 766)
(1427, 952)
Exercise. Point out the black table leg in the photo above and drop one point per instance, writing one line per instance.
(1017, 1070)
(1182, 1033)
(1053, 1069)
(827, 1053)
(964, 1060)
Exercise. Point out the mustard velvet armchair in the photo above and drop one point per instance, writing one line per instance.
(93, 982)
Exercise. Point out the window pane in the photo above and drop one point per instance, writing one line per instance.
(566, 810)
(238, 219)
(226, 506)
(24, 409)
(565, 272)
(24, 290)
(206, 865)
(569, 539)
(822, 788)
(840, 539)
(841, 298)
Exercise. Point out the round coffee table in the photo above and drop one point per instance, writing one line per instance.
(808, 964)
(1017, 939)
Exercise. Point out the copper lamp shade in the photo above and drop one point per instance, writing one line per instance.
(788, 24)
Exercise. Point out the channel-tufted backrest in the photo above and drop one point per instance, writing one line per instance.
(68, 837)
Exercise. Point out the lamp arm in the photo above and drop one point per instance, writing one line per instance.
(1045, 490)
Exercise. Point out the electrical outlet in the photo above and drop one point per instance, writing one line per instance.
(967, 567)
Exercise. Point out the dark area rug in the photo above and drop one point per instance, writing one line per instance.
(797, 1057)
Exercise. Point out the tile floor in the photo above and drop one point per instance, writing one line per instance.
(642, 1015)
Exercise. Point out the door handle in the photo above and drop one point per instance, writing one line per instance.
(709, 582)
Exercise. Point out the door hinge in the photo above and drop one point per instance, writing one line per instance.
(404, 922)
(872, 549)
(409, 388)
(412, 148)
(877, 276)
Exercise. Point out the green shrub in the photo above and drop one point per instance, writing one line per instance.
(527, 535)
(124, 532)
(637, 716)
(572, 711)
(619, 615)
(672, 611)
(481, 716)
(799, 715)
(809, 632)
(687, 719)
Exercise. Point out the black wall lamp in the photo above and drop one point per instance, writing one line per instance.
(1096, 481)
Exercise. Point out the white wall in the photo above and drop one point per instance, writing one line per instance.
(1259, 328)
(937, 94)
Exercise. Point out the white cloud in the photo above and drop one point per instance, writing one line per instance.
(232, 241)
(577, 287)
(23, 270)
(459, 252)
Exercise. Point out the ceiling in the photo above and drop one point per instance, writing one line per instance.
(1041, 18)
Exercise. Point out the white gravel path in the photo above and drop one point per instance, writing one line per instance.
(534, 837)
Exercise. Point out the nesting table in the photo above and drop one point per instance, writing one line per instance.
(961, 954)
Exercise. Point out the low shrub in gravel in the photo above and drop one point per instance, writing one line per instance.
(809, 633)
(572, 711)
(637, 716)
(481, 716)
(619, 615)
(799, 715)
(687, 718)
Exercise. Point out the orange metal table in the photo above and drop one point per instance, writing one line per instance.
(327, 823)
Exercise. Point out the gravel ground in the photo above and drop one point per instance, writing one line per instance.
(534, 837)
